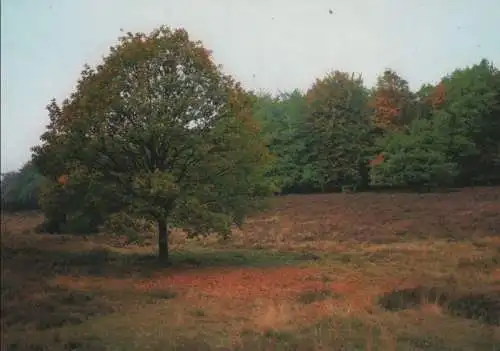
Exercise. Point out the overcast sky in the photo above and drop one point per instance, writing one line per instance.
(266, 44)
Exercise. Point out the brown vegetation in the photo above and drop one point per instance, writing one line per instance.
(342, 271)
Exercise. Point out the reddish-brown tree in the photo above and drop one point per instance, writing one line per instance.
(392, 102)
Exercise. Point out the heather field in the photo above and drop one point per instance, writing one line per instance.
(367, 271)
(176, 188)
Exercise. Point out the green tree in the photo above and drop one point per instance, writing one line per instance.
(415, 158)
(173, 137)
(338, 133)
(282, 118)
(471, 109)
(20, 188)
(79, 204)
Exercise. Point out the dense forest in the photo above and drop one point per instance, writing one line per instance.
(343, 135)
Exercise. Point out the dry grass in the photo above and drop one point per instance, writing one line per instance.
(317, 272)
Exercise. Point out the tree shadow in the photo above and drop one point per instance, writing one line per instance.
(104, 262)
(31, 298)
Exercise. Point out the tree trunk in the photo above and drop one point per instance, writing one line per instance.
(163, 241)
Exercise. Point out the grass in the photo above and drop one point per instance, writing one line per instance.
(317, 272)
(238, 258)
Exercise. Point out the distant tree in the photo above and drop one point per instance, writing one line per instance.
(460, 140)
(282, 118)
(416, 158)
(471, 110)
(338, 133)
(392, 102)
(462, 111)
(438, 96)
(20, 188)
(170, 136)
(429, 99)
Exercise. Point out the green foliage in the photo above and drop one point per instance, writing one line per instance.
(338, 132)
(78, 206)
(282, 119)
(123, 223)
(20, 189)
(443, 134)
(414, 158)
(156, 131)
(458, 143)
(321, 140)
(472, 106)
(393, 104)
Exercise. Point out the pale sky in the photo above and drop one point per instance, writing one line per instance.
(266, 44)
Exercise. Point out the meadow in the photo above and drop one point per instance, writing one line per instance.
(365, 271)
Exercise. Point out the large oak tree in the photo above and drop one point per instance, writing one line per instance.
(158, 131)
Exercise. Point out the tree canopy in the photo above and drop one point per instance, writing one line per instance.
(346, 135)
(162, 133)
(338, 129)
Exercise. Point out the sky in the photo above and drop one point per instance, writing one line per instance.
(272, 45)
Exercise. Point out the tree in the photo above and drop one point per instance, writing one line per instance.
(438, 96)
(429, 99)
(20, 188)
(392, 102)
(77, 202)
(416, 158)
(472, 111)
(338, 132)
(282, 118)
(170, 134)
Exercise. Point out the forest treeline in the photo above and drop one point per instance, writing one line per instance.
(341, 135)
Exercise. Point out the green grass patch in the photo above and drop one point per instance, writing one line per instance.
(239, 258)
